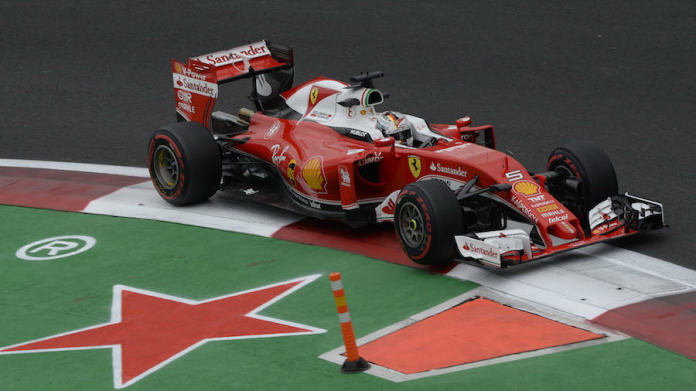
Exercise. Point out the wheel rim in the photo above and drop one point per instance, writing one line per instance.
(166, 167)
(411, 225)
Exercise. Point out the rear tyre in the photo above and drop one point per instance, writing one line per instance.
(426, 219)
(184, 162)
(588, 177)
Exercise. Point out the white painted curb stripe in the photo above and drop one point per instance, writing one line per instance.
(642, 263)
(586, 282)
(141, 201)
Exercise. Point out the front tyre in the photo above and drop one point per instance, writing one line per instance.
(426, 219)
(184, 162)
(588, 177)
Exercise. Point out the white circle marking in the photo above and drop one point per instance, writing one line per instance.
(56, 247)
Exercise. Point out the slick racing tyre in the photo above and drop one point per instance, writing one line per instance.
(587, 177)
(184, 162)
(426, 218)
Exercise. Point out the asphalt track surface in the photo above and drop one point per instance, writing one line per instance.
(88, 82)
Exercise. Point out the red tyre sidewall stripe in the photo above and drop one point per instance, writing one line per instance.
(181, 180)
(567, 161)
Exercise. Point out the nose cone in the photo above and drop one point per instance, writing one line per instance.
(563, 230)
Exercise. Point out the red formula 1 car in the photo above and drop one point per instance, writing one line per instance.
(323, 148)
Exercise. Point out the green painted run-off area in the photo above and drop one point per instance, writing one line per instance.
(44, 298)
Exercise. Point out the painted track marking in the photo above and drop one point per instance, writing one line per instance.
(336, 355)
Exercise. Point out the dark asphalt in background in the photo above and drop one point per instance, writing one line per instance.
(88, 81)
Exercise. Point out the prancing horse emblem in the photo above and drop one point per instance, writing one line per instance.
(313, 95)
(414, 163)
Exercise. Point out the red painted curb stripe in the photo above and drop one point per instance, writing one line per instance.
(668, 322)
(375, 241)
(56, 189)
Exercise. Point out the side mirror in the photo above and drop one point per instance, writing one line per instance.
(500, 187)
(385, 142)
(349, 102)
(462, 122)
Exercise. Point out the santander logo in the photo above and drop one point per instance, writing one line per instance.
(447, 170)
(233, 55)
(479, 250)
(389, 208)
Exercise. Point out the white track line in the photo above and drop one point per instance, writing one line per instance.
(82, 167)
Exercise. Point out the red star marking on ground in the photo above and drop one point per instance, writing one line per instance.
(149, 330)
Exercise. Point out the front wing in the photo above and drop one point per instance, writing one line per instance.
(615, 217)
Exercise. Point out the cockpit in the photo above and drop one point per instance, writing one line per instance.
(350, 109)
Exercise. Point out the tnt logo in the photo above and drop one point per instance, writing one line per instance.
(54, 248)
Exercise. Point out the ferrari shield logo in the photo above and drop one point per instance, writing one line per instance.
(414, 163)
(291, 171)
(313, 95)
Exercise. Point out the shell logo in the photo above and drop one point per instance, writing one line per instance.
(313, 174)
(526, 188)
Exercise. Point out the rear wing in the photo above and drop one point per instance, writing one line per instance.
(196, 81)
(245, 61)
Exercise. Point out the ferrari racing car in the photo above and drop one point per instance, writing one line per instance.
(324, 149)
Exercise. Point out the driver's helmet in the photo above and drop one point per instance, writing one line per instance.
(394, 124)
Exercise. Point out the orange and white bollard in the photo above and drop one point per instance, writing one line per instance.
(354, 363)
